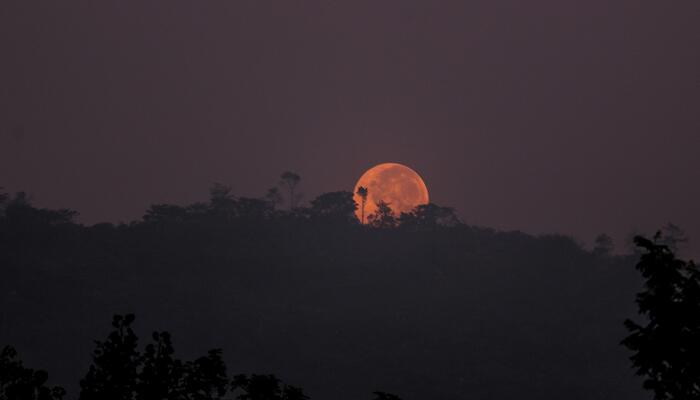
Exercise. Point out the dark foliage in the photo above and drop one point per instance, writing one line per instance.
(384, 217)
(120, 371)
(386, 396)
(265, 387)
(667, 347)
(112, 375)
(20, 383)
(429, 216)
(334, 207)
(603, 245)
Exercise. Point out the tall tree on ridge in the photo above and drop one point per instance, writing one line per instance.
(290, 180)
(362, 192)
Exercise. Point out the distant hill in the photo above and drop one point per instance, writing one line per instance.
(427, 310)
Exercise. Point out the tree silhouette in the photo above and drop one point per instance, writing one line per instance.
(20, 213)
(429, 216)
(667, 349)
(205, 377)
(362, 192)
(386, 396)
(673, 236)
(20, 383)
(223, 203)
(120, 372)
(3, 199)
(383, 217)
(265, 387)
(113, 373)
(290, 181)
(334, 207)
(165, 214)
(253, 209)
(603, 245)
(274, 197)
(161, 376)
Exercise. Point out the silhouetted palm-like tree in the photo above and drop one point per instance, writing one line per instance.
(362, 192)
(290, 180)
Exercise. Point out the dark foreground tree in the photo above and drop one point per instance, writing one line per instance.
(667, 348)
(385, 396)
(205, 378)
(161, 374)
(113, 373)
(120, 372)
(20, 383)
(265, 387)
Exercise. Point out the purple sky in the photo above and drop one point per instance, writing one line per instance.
(564, 116)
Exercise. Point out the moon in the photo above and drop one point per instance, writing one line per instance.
(393, 183)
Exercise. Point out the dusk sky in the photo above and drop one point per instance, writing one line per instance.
(557, 116)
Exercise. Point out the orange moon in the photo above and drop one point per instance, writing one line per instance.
(393, 183)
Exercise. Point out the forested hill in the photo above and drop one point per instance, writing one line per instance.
(424, 306)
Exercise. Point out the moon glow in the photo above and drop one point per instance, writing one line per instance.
(396, 184)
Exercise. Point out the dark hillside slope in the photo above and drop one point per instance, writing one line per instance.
(444, 313)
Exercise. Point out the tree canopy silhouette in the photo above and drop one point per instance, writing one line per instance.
(265, 387)
(667, 347)
(383, 217)
(120, 372)
(385, 396)
(429, 216)
(334, 207)
(20, 383)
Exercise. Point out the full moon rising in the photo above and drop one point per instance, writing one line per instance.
(396, 184)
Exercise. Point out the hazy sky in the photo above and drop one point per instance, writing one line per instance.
(564, 116)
